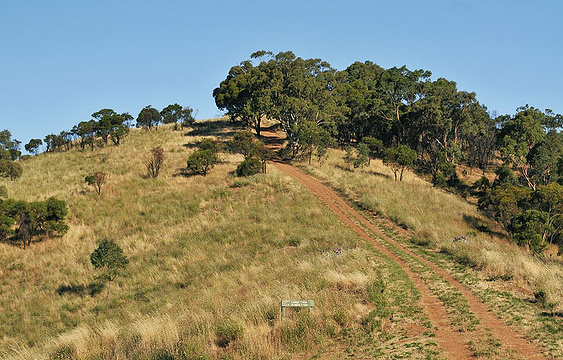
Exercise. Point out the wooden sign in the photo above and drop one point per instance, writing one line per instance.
(296, 303)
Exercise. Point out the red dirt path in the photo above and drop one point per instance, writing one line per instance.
(452, 342)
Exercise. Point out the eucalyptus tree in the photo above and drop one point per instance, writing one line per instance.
(398, 90)
(356, 91)
(149, 117)
(304, 100)
(246, 92)
(33, 146)
(86, 130)
(9, 148)
(519, 134)
(176, 114)
(111, 125)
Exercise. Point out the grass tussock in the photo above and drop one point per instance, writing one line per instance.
(210, 260)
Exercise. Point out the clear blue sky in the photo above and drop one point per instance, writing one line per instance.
(60, 61)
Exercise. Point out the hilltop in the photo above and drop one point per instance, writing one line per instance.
(212, 257)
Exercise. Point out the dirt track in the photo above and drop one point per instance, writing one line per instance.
(453, 343)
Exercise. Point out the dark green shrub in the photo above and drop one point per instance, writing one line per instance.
(249, 167)
(439, 180)
(294, 241)
(210, 144)
(201, 161)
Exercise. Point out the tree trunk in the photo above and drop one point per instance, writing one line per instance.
(258, 125)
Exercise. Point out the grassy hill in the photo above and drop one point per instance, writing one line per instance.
(212, 257)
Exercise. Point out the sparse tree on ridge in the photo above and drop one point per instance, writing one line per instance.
(33, 146)
(149, 117)
(176, 114)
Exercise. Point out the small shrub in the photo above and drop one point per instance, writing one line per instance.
(210, 144)
(110, 258)
(294, 241)
(201, 161)
(249, 167)
(154, 162)
(96, 180)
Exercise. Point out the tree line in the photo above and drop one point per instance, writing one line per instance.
(407, 119)
(107, 126)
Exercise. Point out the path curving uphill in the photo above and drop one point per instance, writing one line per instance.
(453, 343)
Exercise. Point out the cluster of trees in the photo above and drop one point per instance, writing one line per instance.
(245, 143)
(402, 116)
(107, 125)
(24, 221)
(527, 194)
(317, 106)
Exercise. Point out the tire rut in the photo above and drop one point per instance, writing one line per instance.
(453, 343)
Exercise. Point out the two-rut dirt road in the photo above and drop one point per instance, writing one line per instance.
(455, 345)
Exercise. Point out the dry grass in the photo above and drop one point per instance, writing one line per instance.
(435, 218)
(210, 259)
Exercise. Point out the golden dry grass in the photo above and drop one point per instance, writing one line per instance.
(209, 256)
(437, 217)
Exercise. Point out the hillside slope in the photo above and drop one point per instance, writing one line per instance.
(210, 260)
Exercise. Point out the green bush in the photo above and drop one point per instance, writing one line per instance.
(201, 161)
(439, 180)
(249, 167)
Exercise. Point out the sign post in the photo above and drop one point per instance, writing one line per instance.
(296, 303)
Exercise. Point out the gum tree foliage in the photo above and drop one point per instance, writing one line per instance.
(33, 146)
(294, 91)
(86, 131)
(9, 153)
(23, 221)
(399, 159)
(9, 148)
(149, 117)
(111, 125)
(398, 91)
(176, 114)
(374, 147)
(246, 93)
(356, 89)
(533, 217)
(531, 144)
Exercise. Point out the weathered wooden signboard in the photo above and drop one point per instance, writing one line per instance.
(296, 303)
